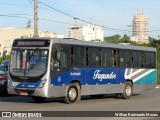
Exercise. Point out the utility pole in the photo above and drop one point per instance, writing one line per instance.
(35, 19)
(75, 35)
(129, 26)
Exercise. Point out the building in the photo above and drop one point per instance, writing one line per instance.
(140, 28)
(8, 34)
(86, 33)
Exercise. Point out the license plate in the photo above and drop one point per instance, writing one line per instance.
(23, 93)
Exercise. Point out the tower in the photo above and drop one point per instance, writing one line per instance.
(140, 27)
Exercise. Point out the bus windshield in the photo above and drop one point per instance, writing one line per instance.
(28, 62)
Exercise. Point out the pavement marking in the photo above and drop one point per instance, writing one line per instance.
(157, 87)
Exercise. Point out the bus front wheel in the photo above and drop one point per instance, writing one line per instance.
(38, 99)
(73, 93)
(127, 92)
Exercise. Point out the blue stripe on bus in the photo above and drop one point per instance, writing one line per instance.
(92, 76)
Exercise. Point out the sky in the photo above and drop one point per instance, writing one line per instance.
(114, 14)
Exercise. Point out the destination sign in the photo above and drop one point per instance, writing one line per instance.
(31, 43)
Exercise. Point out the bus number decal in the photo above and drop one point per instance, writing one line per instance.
(75, 73)
(31, 86)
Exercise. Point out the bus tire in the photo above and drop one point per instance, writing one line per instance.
(73, 93)
(127, 91)
(38, 99)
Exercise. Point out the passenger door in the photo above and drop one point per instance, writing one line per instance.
(58, 63)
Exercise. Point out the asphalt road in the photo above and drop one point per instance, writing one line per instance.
(143, 101)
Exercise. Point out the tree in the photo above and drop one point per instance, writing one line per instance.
(125, 39)
(4, 58)
(117, 39)
(112, 39)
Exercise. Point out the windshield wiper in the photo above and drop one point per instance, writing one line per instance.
(33, 53)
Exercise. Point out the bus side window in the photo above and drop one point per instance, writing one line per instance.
(150, 62)
(142, 60)
(55, 58)
(87, 60)
(107, 58)
(82, 57)
(114, 58)
(117, 58)
(122, 58)
(63, 59)
(129, 59)
(98, 58)
(153, 63)
(51, 63)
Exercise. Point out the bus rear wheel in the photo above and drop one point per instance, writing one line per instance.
(127, 92)
(73, 93)
(38, 99)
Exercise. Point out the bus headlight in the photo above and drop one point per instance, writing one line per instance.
(42, 84)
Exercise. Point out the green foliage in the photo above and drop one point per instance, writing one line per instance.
(113, 38)
(4, 58)
(152, 43)
(117, 39)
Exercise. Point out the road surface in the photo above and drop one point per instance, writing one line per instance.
(143, 101)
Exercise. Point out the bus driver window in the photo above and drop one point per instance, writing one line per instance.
(55, 59)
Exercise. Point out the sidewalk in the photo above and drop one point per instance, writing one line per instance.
(158, 86)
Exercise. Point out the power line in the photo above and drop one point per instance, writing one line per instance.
(42, 19)
(49, 20)
(57, 10)
(41, 5)
(56, 21)
(73, 17)
(20, 5)
(30, 2)
(103, 26)
(18, 14)
(22, 16)
(154, 31)
(15, 16)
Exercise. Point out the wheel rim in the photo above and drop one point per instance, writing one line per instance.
(128, 90)
(72, 94)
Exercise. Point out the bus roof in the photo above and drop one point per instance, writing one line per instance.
(93, 44)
